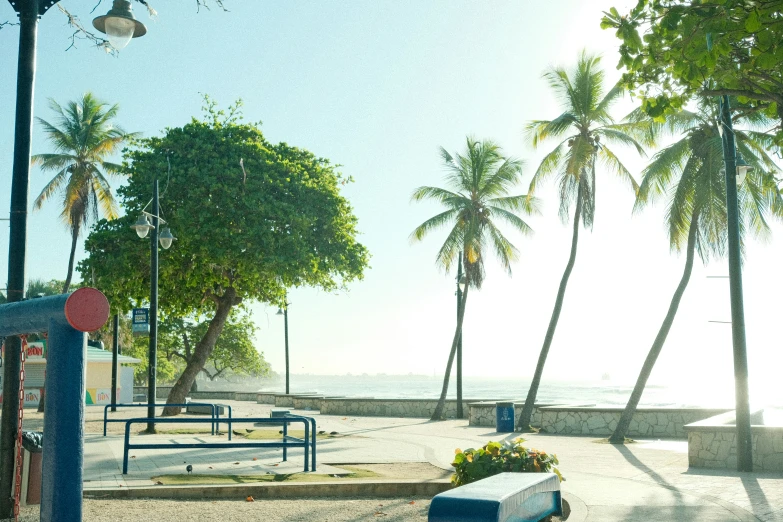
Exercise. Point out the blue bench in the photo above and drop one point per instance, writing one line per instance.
(507, 497)
(288, 441)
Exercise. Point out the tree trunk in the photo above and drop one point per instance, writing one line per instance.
(201, 352)
(438, 413)
(527, 409)
(74, 238)
(618, 437)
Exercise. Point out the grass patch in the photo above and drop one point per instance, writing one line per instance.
(273, 434)
(607, 441)
(195, 479)
(180, 431)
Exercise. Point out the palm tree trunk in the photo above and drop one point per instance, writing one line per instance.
(74, 238)
(527, 409)
(201, 352)
(618, 437)
(438, 413)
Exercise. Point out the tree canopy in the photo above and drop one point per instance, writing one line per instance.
(673, 50)
(252, 219)
(234, 355)
(248, 215)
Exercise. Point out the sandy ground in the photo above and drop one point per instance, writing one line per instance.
(337, 510)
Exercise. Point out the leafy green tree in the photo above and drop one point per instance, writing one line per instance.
(690, 175)
(41, 288)
(252, 218)
(477, 197)
(584, 130)
(668, 59)
(234, 353)
(83, 136)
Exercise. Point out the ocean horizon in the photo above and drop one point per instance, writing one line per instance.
(599, 392)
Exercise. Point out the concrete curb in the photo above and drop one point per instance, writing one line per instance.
(390, 488)
(578, 508)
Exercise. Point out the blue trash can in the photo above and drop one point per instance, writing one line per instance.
(505, 417)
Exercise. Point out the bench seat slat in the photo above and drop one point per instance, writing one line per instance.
(507, 497)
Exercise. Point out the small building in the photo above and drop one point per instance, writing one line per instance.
(98, 383)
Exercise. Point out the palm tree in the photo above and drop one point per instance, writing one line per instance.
(83, 136)
(479, 182)
(690, 173)
(584, 129)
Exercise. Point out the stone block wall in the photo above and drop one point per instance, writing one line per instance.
(646, 422)
(712, 443)
(387, 407)
(265, 397)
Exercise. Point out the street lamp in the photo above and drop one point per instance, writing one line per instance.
(119, 24)
(460, 289)
(735, 169)
(284, 312)
(142, 228)
(29, 11)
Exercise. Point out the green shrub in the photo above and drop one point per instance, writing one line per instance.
(499, 457)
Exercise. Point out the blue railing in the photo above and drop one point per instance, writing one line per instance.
(215, 413)
(288, 441)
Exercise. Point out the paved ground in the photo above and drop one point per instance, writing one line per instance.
(646, 481)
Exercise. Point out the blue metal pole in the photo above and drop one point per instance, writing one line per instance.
(63, 447)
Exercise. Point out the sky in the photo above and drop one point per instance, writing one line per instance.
(377, 87)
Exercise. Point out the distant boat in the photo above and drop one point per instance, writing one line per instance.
(605, 376)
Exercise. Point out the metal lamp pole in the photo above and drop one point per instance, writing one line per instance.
(152, 365)
(284, 313)
(29, 12)
(744, 442)
(460, 413)
(165, 238)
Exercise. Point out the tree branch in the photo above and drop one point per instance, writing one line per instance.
(741, 92)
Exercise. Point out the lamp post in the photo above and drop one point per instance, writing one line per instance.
(736, 168)
(284, 312)
(29, 11)
(460, 288)
(142, 228)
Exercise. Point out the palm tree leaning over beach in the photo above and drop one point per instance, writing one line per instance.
(584, 129)
(690, 173)
(83, 136)
(477, 197)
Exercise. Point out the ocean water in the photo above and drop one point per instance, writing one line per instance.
(599, 392)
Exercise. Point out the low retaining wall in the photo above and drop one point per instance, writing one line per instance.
(712, 443)
(370, 407)
(646, 422)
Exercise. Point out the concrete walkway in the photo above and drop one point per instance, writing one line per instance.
(646, 481)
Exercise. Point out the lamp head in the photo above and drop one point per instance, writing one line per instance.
(119, 24)
(743, 167)
(279, 311)
(165, 238)
(142, 226)
(462, 281)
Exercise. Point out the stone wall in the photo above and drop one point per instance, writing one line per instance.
(712, 443)
(387, 407)
(646, 422)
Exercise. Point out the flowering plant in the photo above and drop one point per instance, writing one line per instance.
(499, 457)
